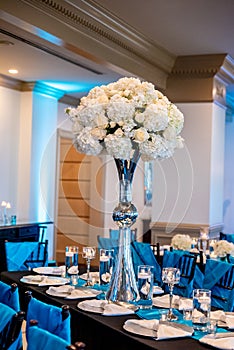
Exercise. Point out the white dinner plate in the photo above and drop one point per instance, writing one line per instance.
(47, 270)
(145, 332)
(84, 306)
(51, 281)
(86, 293)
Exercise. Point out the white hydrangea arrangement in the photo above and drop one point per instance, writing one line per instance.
(181, 242)
(123, 116)
(222, 248)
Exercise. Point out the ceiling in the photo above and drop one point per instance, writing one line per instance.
(182, 27)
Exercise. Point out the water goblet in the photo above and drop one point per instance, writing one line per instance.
(171, 276)
(89, 254)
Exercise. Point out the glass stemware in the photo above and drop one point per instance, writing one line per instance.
(89, 254)
(171, 276)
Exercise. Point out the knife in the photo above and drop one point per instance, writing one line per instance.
(184, 327)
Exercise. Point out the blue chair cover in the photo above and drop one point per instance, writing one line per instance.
(171, 259)
(214, 271)
(142, 255)
(8, 297)
(108, 243)
(7, 313)
(40, 339)
(17, 253)
(49, 317)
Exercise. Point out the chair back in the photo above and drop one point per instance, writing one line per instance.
(22, 256)
(41, 339)
(10, 328)
(9, 295)
(54, 319)
(186, 263)
(142, 254)
(38, 257)
(222, 293)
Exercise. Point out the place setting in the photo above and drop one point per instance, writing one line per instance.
(72, 292)
(42, 280)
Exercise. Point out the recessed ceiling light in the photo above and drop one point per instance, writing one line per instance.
(13, 71)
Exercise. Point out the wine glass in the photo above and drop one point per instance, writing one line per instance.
(89, 254)
(171, 276)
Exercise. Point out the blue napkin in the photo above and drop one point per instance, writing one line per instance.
(8, 297)
(49, 317)
(40, 339)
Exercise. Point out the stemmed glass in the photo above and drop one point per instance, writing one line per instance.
(171, 276)
(89, 254)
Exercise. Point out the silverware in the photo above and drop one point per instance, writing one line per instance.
(224, 335)
(184, 327)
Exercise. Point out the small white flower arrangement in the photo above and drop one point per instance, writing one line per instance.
(127, 115)
(222, 248)
(181, 242)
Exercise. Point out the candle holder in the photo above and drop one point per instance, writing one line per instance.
(89, 254)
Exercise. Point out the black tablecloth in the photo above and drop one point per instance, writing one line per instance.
(97, 331)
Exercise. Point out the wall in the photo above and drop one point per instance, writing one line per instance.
(185, 184)
(228, 203)
(9, 141)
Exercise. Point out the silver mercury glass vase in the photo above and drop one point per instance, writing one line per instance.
(123, 285)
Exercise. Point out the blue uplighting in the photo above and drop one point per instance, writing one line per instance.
(71, 86)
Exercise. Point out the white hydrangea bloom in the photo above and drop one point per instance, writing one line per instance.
(128, 111)
(223, 247)
(181, 242)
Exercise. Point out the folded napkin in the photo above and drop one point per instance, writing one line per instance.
(227, 318)
(61, 289)
(177, 302)
(219, 341)
(42, 280)
(83, 293)
(112, 309)
(93, 275)
(158, 330)
(105, 308)
(73, 270)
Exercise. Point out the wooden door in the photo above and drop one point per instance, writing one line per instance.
(73, 212)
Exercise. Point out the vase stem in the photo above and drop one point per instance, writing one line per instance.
(123, 285)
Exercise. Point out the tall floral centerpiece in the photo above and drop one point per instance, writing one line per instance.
(127, 119)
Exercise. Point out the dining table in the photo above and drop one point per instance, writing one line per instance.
(98, 331)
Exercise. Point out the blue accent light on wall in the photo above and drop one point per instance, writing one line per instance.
(71, 86)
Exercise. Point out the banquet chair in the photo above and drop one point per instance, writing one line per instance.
(142, 254)
(41, 339)
(54, 319)
(222, 293)
(20, 256)
(10, 328)
(186, 263)
(9, 295)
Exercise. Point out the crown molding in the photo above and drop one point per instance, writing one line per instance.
(86, 28)
(201, 78)
(10, 83)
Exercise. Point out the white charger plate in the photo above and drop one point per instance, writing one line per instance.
(145, 332)
(52, 281)
(47, 270)
(87, 294)
(84, 306)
